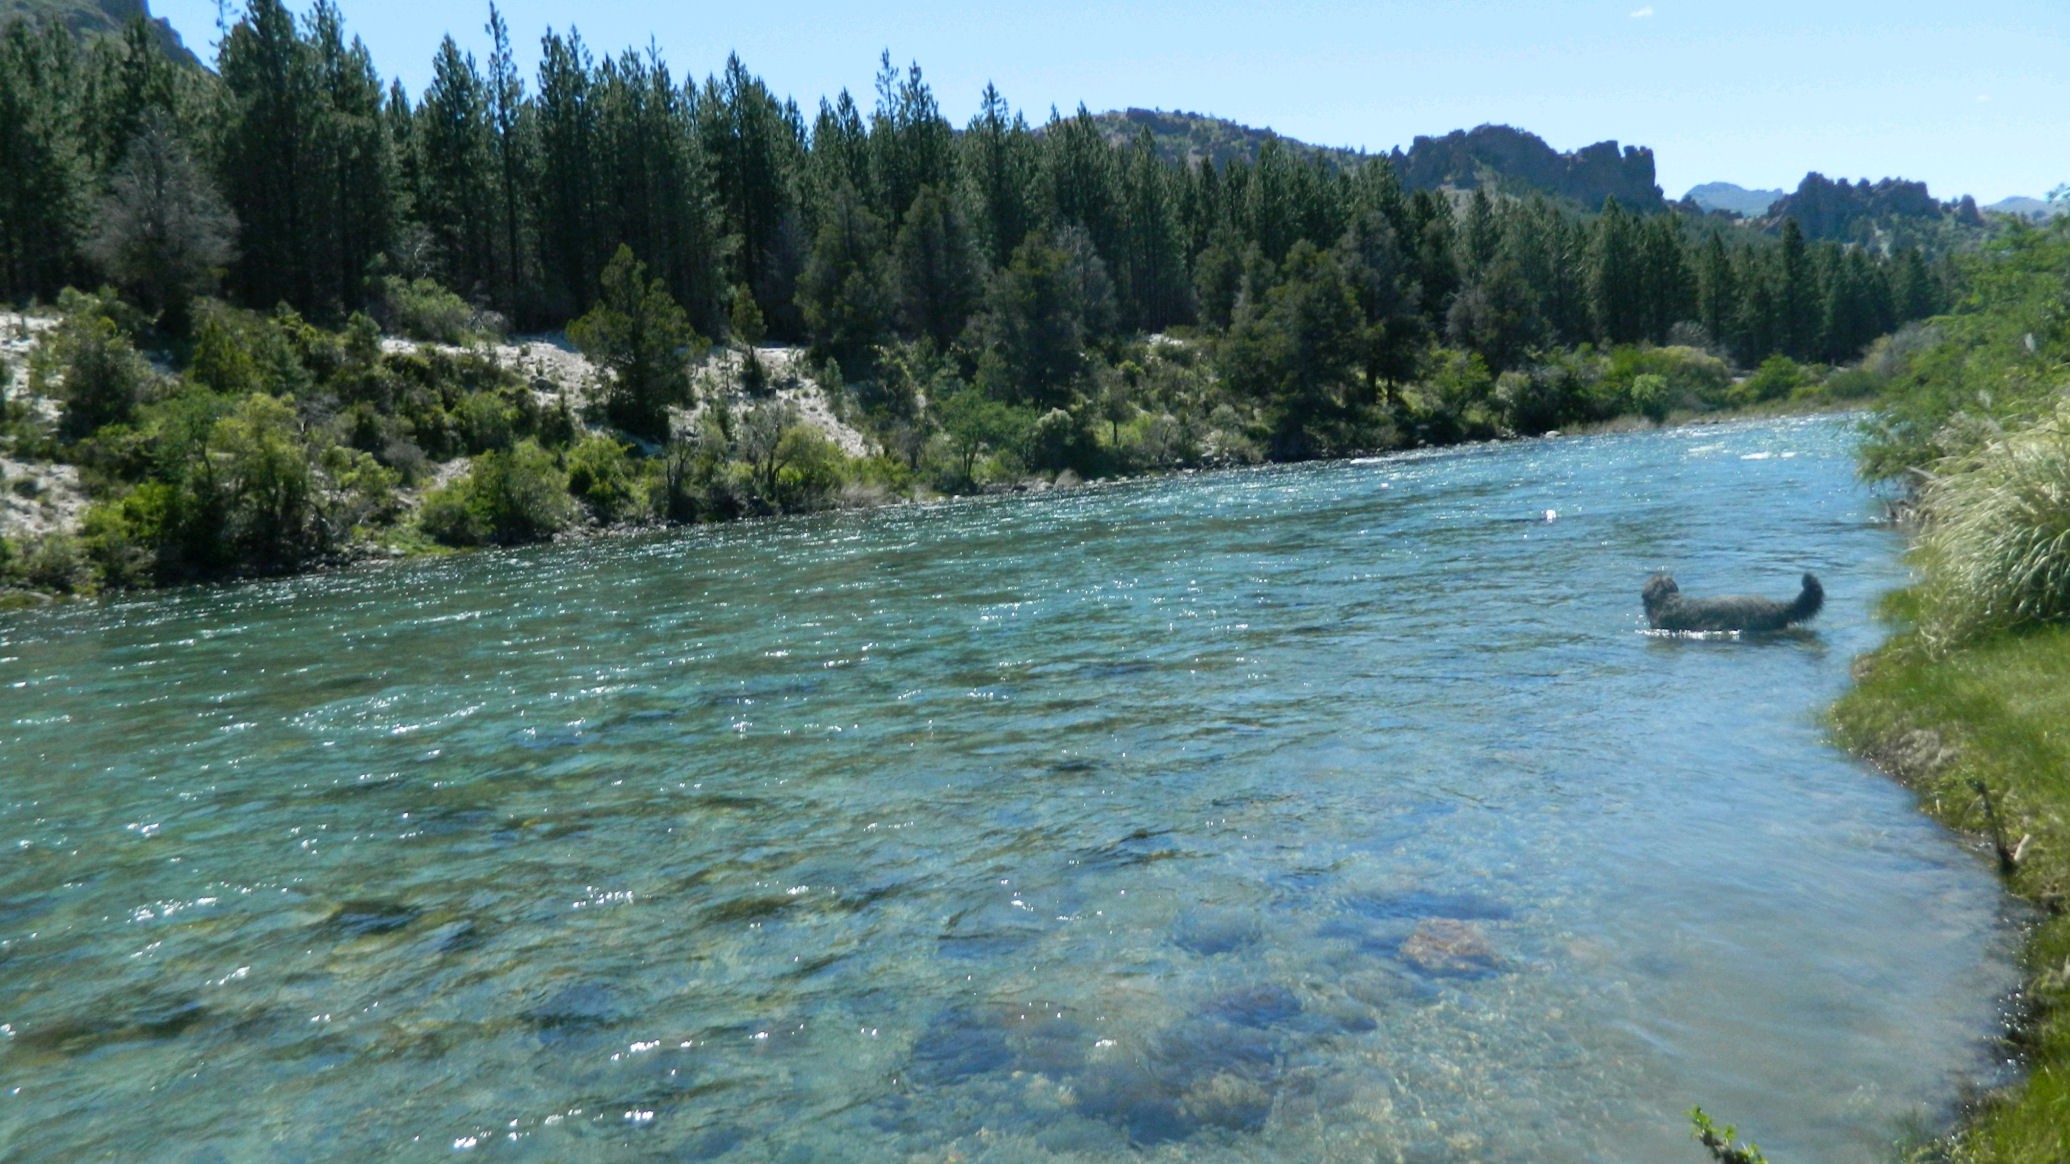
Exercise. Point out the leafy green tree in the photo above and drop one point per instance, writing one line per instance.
(90, 364)
(977, 423)
(603, 476)
(640, 334)
(507, 498)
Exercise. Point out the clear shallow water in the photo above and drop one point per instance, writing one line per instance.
(1325, 812)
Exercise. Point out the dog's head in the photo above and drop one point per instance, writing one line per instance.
(1660, 590)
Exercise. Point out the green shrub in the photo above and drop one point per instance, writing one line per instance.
(809, 469)
(486, 422)
(1778, 376)
(89, 363)
(423, 310)
(1995, 550)
(55, 562)
(603, 476)
(507, 497)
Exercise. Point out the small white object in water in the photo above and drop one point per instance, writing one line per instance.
(1552, 515)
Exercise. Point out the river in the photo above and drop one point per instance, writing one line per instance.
(1324, 812)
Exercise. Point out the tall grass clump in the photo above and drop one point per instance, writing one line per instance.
(1995, 548)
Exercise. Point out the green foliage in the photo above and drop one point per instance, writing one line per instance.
(1995, 544)
(976, 423)
(507, 497)
(423, 310)
(90, 364)
(1998, 358)
(642, 336)
(1042, 310)
(1297, 351)
(603, 476)
(1722, 1143)
(1778, 378)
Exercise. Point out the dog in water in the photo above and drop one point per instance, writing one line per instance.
(1667, 610)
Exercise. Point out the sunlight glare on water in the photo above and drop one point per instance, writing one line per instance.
(1323, 812)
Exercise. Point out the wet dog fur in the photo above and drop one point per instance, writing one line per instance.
(1667, 609)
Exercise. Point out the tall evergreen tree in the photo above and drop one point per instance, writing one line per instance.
(510, 122)
(43, 173)
(936, 276)
(1615, 283)
(999, 166)
(756, 148)
(453, 156)
(844, 293)
(911, 144)
(1157, 291)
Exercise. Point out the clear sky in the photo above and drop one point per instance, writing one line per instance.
(1971, 99)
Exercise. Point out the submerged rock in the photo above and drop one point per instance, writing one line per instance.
(1450, 948)
(1209, 932)
(359, 919)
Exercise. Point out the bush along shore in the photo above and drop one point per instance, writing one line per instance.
(259, 443)
(1967, 702)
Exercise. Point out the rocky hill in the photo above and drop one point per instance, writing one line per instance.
(99, 18)
(1493, 155)
(1843, 210)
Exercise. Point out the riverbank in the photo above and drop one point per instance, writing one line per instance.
(1978, 734)
(1966, 703)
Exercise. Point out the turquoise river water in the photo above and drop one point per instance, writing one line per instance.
(1330, 812)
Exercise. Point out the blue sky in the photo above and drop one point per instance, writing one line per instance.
(1970, 100)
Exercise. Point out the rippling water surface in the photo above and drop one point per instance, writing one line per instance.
(1327, 812)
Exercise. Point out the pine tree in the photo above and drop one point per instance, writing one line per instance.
(509, 118)
(43, 176)
(1615, 282)
(844, 292)
(755, 145)
(911, 144)
(1158, 292)
(998, 165)
(638, 332)
(571, 177)
(935, 269)
(453, 157)
(163, 232)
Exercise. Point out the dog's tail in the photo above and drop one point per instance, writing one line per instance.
(1809, 601)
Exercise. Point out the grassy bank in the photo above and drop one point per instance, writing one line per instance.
(1982, 734)
(1969, 703)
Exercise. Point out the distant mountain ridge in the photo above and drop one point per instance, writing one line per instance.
(100, 18)
(2024, 207)
(1734, 198)
(1494, 155)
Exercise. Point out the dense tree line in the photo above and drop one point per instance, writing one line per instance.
(848, 230)
(1003, 298)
